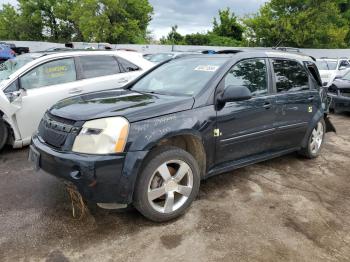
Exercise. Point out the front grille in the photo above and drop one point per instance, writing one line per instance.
(345, 92)
(55, 130)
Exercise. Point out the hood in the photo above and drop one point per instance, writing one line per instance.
(132, 105)
(342, 83)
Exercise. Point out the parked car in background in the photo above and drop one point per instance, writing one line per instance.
(150, 143)
(18, 50)
(330, 68)
(6, 53)
(161, 57)
(339, 92)
(32, 83)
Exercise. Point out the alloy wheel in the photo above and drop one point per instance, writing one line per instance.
(317, 138)
(170, 186)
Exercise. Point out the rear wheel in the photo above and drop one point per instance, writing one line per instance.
(168, 184)
(315, 141)
(3, 133)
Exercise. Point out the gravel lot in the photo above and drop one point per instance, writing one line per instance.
(286, 209)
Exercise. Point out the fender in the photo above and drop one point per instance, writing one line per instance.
(200, 122)
(8, 115)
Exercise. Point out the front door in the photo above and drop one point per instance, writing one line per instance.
(246, 127)
(43, 87)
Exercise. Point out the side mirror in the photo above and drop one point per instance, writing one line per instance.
(235, 94)
(342, 68)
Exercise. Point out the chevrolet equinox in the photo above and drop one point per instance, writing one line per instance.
(151, 143)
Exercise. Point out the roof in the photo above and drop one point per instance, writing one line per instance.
(230, 53)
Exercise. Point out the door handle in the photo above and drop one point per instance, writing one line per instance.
(267, 105)
(311, 98)
(123, 80)
(75, 91)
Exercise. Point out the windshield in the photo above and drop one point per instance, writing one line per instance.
(326, 65)
(12, 65)
(180, 77)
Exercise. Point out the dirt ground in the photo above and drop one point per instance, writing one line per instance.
(286, 209)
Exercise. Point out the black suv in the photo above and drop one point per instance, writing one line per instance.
(339, 92)
(151, 143)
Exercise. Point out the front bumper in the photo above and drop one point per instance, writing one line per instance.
(340, 103)
(99, 179)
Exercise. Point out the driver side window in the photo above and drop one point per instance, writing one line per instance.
(51, 73)
(251, 74)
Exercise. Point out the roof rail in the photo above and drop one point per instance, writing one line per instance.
(287, 49)
(335, 58)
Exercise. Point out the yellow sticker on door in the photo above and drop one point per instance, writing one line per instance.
(310, 109)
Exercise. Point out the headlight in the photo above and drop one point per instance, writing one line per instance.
(102, 136)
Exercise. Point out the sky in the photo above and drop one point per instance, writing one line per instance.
(191, 16)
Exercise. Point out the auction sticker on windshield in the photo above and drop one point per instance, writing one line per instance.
(206, 68)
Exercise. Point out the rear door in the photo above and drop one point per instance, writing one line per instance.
(98, 72)
(295, 100)
(246, 128)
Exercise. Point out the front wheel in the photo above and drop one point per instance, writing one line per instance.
(3, 134)
(168, 184)
(315, 141)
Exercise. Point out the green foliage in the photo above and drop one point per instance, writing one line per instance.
(298, 23)
(227, 32)
(228, 26)
(173, 38)
(123, 21)
(114, 21)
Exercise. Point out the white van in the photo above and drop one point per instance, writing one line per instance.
(32, 83)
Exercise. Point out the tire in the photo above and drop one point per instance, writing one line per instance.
(3, 134)
(315, 141)
(162, 193)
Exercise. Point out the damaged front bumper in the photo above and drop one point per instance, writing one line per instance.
(340, 103)
(99, 178)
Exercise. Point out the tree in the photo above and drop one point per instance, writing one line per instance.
(228, 26)
(173, 38)
(227, 32)
(8, 20)
(123, 21)
(298, 23)
(114, 21)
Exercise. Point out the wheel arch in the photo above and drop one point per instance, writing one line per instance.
(317, 117)
(11, 131)
(188, 141)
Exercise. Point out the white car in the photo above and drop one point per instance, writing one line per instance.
(31, 83)
(331, 68)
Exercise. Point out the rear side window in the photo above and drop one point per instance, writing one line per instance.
(51, 73)
(290, 76)
(127, 66)
(251, 74)
(98, 65)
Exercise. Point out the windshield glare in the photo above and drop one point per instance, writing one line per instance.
(326, 65)
(12, 65)
(180, 77)
(157, 58)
